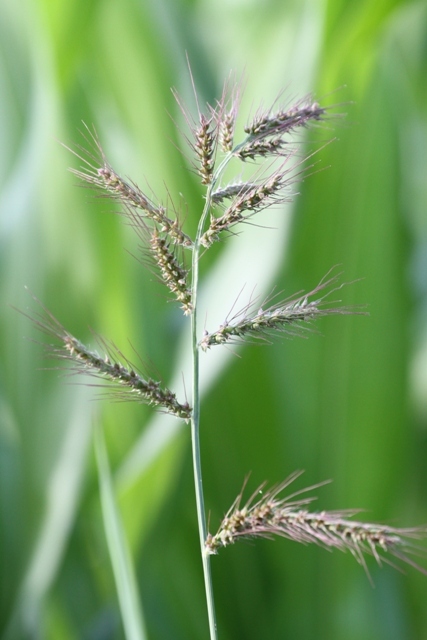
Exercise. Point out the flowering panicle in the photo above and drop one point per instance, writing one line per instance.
(268, 144)
(288, 518)
(288, 316)
(130, 385)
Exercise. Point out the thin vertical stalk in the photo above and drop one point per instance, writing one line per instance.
(195, 434)
(195, 419)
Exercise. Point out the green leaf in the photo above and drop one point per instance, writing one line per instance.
(124, 573)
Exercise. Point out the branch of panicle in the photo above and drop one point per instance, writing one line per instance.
(264, 148)
(268, 130)
(226, 115)
(250, 199)
(204, 146)
(289, 518)
(289, 316)
(204, 137)
(98, 172)
(285, 120)
(266, 139)
(165, 257)
(231, 191)
(173, 274)
(128, 383)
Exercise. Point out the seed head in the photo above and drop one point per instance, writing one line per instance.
(98, 172)
(226, 132)
(173, 274)
(250, 199)
(285, 120)
(232, 190)
(289, 518)
(289, 316)
(263, 148)
(113, 367)
(204, 146)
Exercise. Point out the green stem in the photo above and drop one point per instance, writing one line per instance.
(195, 419)
(195, 435)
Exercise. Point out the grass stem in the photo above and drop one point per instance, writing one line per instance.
(195, 433)
(195, 419)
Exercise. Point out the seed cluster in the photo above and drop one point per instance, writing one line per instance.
(250, 200)
(164, 242)
(98, 172)
(130, 194)
(270, 516)
(288, 316)
(263, 148)
(205, 148)
(226, 132)
(231, 191)
(172, 272)
(127, 383)
(147, 390)
(285, 121)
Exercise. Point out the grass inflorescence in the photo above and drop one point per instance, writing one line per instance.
(268, 142)
(270, 515)
(290, 316)
(112, 367)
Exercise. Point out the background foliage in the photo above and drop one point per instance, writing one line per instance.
(349, 404)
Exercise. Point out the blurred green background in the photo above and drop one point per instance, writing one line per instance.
(349, 403)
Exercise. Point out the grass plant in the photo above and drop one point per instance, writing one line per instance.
(266, 162)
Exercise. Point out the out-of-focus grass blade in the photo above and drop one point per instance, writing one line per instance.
(123, 569)
(62, 500)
